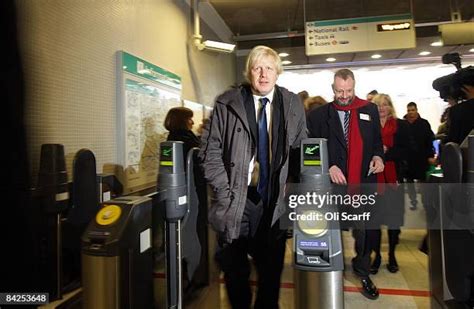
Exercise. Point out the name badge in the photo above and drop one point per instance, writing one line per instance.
(365, 117)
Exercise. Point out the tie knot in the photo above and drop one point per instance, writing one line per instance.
(264, 101)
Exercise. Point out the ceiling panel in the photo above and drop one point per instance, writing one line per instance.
(286, 17)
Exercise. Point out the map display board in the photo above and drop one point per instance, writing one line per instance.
(146, 94)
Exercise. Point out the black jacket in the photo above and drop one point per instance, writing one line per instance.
(461, 121)
(324, 122)
(399, 151)
(420, 148)
(187, 137)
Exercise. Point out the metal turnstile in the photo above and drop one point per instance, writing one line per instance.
(117, 260)
(451, 284)
(117, 255)
(318, 256)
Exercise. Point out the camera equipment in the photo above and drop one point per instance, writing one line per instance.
(450, 86)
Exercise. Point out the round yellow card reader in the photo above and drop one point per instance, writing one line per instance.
(108, 215)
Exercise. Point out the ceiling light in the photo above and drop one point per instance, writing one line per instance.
(437, 43)
(283, 55)
(424, 53)
(472, 50)
(376, 56)
(208, 44)
(285, 62)
(219, 46)
(330, 59)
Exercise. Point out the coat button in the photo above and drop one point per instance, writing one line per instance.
(232, 164)
(232, 196)
(239, 129)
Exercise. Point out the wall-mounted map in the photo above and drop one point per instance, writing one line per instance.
(146, 108)
(147, 93)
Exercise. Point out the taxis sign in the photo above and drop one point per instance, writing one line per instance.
(360, 34)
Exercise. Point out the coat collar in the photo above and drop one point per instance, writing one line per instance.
(235, 100)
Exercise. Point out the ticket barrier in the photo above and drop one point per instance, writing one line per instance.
(117, 260)
(117, 255)
(62, 211)
(173, 181)
(50, 199)
(450, 272)
(318, 255)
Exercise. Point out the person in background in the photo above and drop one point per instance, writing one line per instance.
(179, 122)
(461, 116)
(420, 152)
(201, 127)
(371, 95)
(352, 129)
(394, 133)
(443, 128)
(314, 102)
(303, 95)
(245, 153)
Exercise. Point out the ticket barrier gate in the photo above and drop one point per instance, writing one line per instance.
(117, 253)
(180, 218)
(318, 256)
(117, 260)
(450, 281)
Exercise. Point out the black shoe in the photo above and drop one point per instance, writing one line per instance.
(413, 205)
(374, 268)
(424, 245)
(369, 289)
(392, 265)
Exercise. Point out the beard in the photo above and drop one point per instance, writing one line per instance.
(341, 103)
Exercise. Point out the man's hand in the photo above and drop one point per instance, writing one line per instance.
(337, 176)
(376, 165)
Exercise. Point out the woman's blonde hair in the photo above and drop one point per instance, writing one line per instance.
(379, 98)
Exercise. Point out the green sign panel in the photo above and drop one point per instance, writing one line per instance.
(147, 70)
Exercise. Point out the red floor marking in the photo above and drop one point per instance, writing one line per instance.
(397, 292)
(291, 285)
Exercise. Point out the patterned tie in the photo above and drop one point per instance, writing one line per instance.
(263, 158)
(346, 126)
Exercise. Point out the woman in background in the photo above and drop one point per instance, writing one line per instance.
(179, 122)
(394, 133)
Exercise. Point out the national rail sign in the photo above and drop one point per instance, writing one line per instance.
(360, 34)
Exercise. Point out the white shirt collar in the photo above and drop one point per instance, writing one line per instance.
(269, 96)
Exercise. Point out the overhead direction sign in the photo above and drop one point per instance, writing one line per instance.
(360, 34)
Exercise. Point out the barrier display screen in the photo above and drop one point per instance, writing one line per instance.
(311, 155)
(166, 155)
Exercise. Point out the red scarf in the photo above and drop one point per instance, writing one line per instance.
(356, 144)
(389, 174)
